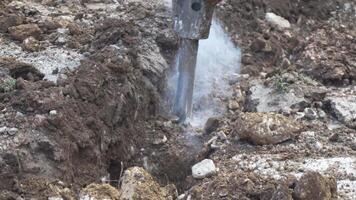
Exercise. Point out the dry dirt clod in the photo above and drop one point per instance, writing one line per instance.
(312, 185)
(24, 31)
(10, 20)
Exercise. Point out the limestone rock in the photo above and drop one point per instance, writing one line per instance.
(266, 128)
(24, 31)
(203, 169)
(278, 21)
(312, 185)
(264, 99)
(344, 108)
(137, 184)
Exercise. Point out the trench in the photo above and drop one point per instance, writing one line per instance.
(218, 62)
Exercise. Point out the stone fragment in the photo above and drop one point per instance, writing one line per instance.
(99, 191)
(278, 21)
(281, 193)
(344, 109)
(310, 114)
(53, 112)
(265, 99)
(138, 184)
(30, 44)
(24, 31)
(261, 45)
(312, 185)
(233, 105)
(266, 128)
(211, 125)
(12, 131)
(203, 169)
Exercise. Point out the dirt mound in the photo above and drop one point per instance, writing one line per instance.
(293, 49)
(89, 124)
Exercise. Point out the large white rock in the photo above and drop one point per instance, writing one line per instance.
(344, 108)
(278, 21)
(203, 169)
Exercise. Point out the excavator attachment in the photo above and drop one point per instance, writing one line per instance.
(192, 20)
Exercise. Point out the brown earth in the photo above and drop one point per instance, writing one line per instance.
(105, 117)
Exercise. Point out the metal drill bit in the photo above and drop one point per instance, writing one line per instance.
(186, 61)
(192, 21)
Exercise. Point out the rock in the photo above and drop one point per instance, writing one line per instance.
(281, 193)
(289, 78)
(344, 109)
(53, 112)
(138, 184)
(24, 31)
(211, 125)
(266, 128)
(7, 83)
(12, 131)
(233, 105)
(55, 198)
(10, 20)
(221, 135)
(312, 185)
(310, 114)
(160, 141)
(278, 21)
(203, 169)
(265, 99)
(99, 191)
(261, 45)
(299, 115)
(181, 197)
(353, 146)
(3, 130)
(317, 95)
(321, 114)
(19, 69)
(30, 44)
